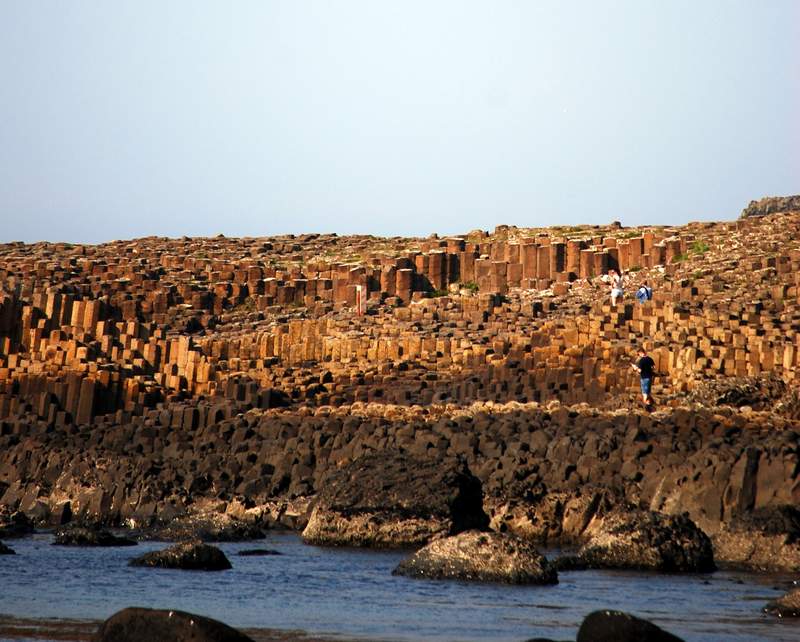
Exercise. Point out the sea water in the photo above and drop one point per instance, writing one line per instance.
(351, 593)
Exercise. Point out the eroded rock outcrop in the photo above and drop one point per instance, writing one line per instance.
(771, 205)
(189, 556)
(480, 556)
(393, 500)
(137, 624)
(646, 541)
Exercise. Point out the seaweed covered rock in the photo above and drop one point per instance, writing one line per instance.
(389, 499)
(479, 556)
(643, 540)
(190, 556)
(137, 624)
(89, 536)
(766, 539)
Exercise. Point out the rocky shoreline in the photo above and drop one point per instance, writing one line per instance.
(478, 398)
(544, 472)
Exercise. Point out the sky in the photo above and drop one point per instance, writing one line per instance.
(128, 119)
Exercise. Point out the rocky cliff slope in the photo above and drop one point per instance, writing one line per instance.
(143, 381)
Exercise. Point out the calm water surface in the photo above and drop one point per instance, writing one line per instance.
(351, 593)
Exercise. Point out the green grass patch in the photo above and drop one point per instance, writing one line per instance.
(435, 294)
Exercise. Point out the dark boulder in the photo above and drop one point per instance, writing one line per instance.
(766, 539)
(191, 556)
(253, 552)
(482, 557)
(785, 606)
(14, 524)
(389, 499)
(5, 550)
(136, 624)
(643, 540)
(616, 626)
(89, 536)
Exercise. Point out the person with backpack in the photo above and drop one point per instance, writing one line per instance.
(644, 293)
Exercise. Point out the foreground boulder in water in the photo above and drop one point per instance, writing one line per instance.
(190, 556)
(392, 500)
(5, 550)
(644, 540)
(135, 625)
(89, 536)
(767, 539)
(616, 626)
(482, 557)
(785, 606)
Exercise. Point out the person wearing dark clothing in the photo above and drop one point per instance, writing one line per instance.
(645, 366)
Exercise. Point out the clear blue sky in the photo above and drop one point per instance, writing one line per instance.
(126, 119)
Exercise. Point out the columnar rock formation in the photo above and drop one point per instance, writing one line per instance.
(140, 379)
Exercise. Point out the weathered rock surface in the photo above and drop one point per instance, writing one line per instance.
(771, 205)
(559, 517)
(644, 540)
(89, 536)
(5, 550)
(480, 556)
(787, 605)
(767, 539)
(137, 624)
(208, 528)
(189, 556)
(393, 500)
(616, 626)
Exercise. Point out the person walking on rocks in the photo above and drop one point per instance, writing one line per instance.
(615, 279)
(645, 366)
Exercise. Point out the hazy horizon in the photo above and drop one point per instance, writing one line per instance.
(266, 118)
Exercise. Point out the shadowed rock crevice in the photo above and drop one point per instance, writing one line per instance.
(393, 500)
